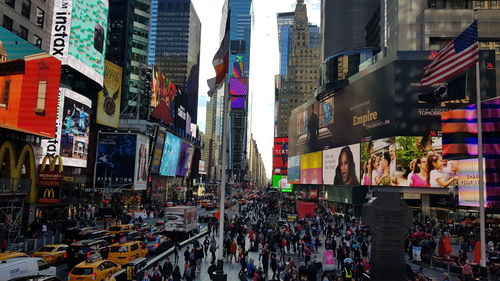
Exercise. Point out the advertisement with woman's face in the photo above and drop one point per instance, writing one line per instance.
(341, 165)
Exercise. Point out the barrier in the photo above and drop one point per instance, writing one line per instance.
(122, 274)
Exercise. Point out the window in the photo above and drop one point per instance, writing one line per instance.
(11, 3)
(26, 8)
(7, 22)
(37, 41)
(24, 32)
(42, 265)
(40, 100)
(4, 94)
(40, 17)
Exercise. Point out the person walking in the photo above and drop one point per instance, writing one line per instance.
(189, 273)
(146, 276)
(168, 268)
(176, 253)
(157, 275)
(213, 248)
(206, 245)
(176, 275)
(232, 251)
(307, 254)
(273, 263)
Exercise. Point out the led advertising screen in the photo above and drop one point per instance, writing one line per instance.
(157, 151)
(341, 165)
(79, 35)
(170, 157)
(280, 182)
(29, 87)
(116, 159)
(163, 93)
(141, 163)
(108, 100)
(238, 86)
(380, 158)
(280, 156)
(237, 102)
(75, 129)
(311, 171)
(294, 169)
(468, 183)
(185, 157)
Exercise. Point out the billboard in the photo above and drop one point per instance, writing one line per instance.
(280, 156)
(108, 100)
(141, 162)
(468, 183)
(185, 157)
(29, 86)
(294, 169)
(157, 151)
(237, 102)
(75, 129)
(202, 168)
(238, 86)
(79, 35)
(281, 182)
(116, 158)
(311, 171)
(341, 165)
(163, 92)
(380, 158)
(170, 156)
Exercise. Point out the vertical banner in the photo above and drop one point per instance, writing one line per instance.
(311, 171)
(294, 169)
(468, 183)
(280, 156)
(157, 153)
(141, 160)
(108, 100)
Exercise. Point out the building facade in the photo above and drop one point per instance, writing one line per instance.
(302, 70)
(343, 24)
(31, 20)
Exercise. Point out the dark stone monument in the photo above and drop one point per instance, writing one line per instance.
(388, 219)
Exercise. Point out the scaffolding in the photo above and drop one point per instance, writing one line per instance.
(11, 214)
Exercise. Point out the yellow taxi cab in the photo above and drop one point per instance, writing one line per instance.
(93, 269)
(10, 255)
(125, 252)
(52, 254)
(119, 228)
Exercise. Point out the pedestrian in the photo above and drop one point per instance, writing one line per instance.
(176, 253)
(176, 275)
(467, 271)
(273, 263)
(189, 272)
(157, 275)
(146, 276)
(213, 248)
(307, 253)
(211, 270)
(167, 268)
(206, 245)
(199, 256)
(232, 251)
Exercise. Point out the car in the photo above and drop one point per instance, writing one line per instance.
(92, 234)
(52, 254)
(93, 269)
(127, 236)
(81, 250)
(141, 226)
(119, 228)
(21, 267)
(160, 223)
(11, 255)
(122, 253)
(158, 243)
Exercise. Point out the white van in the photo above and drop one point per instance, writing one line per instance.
(19, 267)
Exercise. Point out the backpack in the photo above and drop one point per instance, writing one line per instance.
(192, 256)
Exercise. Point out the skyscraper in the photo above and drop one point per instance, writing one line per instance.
(285, 23)
(174, 46)
(128, 47)
(302, 70)
(343, 24)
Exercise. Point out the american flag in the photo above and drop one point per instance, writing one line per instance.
(455, 57)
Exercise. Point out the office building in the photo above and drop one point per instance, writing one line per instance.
(302, 71)
(343, 24)
(30, 20)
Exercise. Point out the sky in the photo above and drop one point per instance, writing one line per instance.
(264, 62)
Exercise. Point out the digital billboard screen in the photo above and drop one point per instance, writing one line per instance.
(311, 171)
(237, 102)
(170, 157)
(79, 35)
(280, 156)
(75, 119)
(141, 163)
(293, 169)
(280, 182)
(109, 99)
(116, 158)
(341, 165)
(163, 93)
(185, 157)
(468, 183)
(378, 162)
(238, 86)
(29, 87)
(157, 151)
